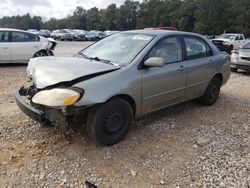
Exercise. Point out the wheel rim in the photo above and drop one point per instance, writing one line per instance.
(214, 91)
(113, 122)
(40, 54)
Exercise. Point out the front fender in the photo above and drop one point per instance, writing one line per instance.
(101, 88)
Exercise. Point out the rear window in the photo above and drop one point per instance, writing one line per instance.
(196, 48)
(24, 37)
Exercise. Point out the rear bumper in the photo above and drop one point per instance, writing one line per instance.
(26, 108)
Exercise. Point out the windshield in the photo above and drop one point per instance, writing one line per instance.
(120, 48)
(247, 46)
(62, 31)
(227, 36)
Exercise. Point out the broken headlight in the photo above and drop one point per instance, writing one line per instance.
(56, 97)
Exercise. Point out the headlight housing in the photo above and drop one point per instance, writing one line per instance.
(56, 97)
(225, 43)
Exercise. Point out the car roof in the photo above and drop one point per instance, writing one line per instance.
(10, 29)
(232, 34)
(160, 32)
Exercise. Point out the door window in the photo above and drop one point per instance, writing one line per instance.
(167, 48)
(4, 36)
(196, 48)
(24, 37)
(237, 37)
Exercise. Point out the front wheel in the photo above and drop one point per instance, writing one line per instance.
(109, 123)
(230, 48)
(212, 92)
(233, 69)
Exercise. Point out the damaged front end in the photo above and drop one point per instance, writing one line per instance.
(63, 117)
(53, 97)
(51, 46)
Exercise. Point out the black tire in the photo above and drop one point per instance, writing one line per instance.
(212, 92)
(233, 69)
(230, 49)
(41, 54)
(109, 123)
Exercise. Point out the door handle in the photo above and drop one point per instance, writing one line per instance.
(211, 61)
(181, 68)
(5, 48)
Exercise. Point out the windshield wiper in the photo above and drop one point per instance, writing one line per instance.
(98, 59)
(102, 60)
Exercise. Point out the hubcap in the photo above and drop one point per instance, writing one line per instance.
(40, 54)
(113, 122)
(214, 91)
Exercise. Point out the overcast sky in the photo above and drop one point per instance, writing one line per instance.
(50, 8)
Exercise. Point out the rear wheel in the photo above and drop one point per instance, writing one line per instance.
(109, 123)
(41, 54)
(212, 92)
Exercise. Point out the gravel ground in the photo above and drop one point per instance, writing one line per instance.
(183, 146)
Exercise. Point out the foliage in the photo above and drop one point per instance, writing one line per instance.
(202, 16)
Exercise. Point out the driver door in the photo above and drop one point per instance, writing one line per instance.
(164, 86)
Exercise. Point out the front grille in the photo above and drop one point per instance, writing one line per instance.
(246, 58)
(218, 42)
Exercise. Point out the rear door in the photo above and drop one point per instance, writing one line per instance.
(4, 47)
(163, 86)
(23, 46)
(201, 65)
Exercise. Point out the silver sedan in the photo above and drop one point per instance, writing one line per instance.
(121, 77)
(240, 59)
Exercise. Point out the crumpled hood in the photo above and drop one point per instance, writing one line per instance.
(47, 71)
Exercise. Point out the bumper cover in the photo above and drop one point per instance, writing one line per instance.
(60, 117)
(244, 65)
(26, 108)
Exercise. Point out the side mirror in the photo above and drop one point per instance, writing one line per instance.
(155, 62)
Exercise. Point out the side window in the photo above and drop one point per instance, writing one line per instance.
(4, 36)
(237, 37)
(24, 37)
(167, 48)
(241, 37)
(196, 48)
(32, 37)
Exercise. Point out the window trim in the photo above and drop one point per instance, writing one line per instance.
(197, 38)
(35, 36)
(179, 38)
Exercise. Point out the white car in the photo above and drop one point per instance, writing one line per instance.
(18, 46)
(229, 41)
(33, 31)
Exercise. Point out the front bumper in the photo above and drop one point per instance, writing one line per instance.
(61, 117)
(240, 64)
(28, 109)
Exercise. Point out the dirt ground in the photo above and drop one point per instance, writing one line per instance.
(188, 145)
